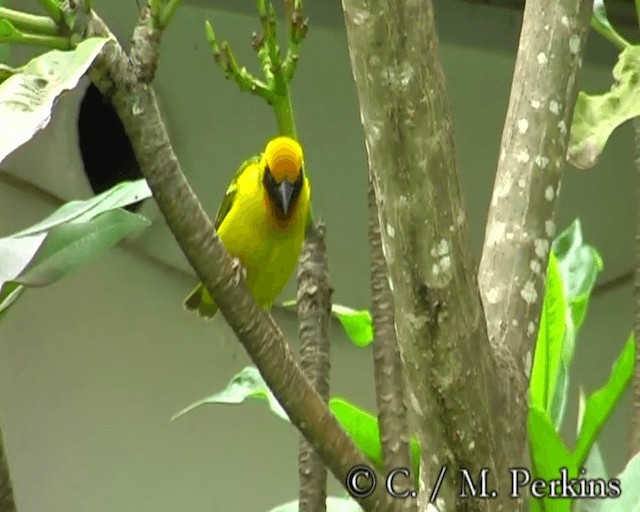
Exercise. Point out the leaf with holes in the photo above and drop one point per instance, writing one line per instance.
(27, 97)
(596, 116)
(73, 235)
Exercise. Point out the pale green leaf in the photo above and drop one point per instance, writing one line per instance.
(248, 383)
(73, 235)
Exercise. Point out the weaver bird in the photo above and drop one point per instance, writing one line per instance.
(262, 222)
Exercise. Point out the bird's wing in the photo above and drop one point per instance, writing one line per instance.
(230, 194)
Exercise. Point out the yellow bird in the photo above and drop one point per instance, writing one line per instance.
(262, 222)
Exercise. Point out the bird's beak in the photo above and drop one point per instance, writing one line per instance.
(285, 191)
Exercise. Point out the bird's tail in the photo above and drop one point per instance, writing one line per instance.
(201, 302)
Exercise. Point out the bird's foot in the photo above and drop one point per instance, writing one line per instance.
(240, 273)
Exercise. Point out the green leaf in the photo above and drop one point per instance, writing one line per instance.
(7, 29)
(548, 455)
(69, 246)
(118, 196)
(600, 404)
(595, 117)
(600, 22)
(26, 98)
(357, 324)
(363, 428)
(548, 352)
(246, 384)
(594, 465)
(334, 504)
(579, 266)
(74, 234)
(359, 424)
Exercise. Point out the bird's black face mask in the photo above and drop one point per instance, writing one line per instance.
(284, 194)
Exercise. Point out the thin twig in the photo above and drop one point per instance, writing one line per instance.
(314, 315)
(388, 376)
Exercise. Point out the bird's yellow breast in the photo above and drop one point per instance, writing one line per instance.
(267, 248)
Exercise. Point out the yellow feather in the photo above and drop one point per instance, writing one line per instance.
(265, 241)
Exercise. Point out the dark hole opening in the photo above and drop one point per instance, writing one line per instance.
(106, 152)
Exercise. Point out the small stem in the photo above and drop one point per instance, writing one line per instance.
(167, 13)
(227, 62)
(53, 10)
(53, 42)
(32, 23)
(283, 110)
(610, 33)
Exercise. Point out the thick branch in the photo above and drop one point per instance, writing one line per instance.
(634, 442)
(389, 381)
(521, 221)
(123, 82)
(314, 310)
(7, 503)
(454, 386)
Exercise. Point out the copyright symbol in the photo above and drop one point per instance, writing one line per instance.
(361, 481)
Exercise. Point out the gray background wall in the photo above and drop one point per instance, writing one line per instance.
(93, 367)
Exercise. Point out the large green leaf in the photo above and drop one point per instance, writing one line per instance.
(356, 323)
(548, 352)
(73, 235)
(548, 455)
(334, 504)
(27, 97)
(595, 117)
(358, 423)
(600, 404)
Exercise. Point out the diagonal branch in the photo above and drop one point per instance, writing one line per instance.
(124, 81)
(521, 221)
